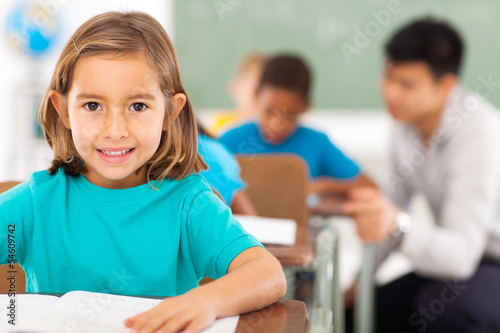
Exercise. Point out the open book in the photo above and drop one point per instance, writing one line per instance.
(83, 312)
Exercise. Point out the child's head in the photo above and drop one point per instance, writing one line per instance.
(116, 109)
(244, 84)
(282, 96)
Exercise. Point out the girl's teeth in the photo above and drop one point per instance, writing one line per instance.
(115, 153)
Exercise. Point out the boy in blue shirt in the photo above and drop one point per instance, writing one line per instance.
(282, 98)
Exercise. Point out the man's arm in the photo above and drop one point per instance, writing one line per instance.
(454, 247)
(327, 186)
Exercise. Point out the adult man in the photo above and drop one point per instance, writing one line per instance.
(445, 146)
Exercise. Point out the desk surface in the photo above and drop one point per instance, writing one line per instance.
(299, 254)
(285, 316)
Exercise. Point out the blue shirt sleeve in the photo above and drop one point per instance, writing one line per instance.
(16, 221)
(230, 139)
(335, 163)
(215, 237)
(224, 171)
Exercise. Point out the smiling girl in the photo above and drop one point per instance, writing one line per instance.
(122, 210)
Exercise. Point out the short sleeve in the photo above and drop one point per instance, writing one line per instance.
(16, 221)
(335, 163)
(241, 139)
(230, 140)
(215, 237)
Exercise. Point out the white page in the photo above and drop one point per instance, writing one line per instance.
(86, 312)
(269, 230)
(26, 306)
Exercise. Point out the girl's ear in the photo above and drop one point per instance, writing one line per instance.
(57, 100)
(178, 102)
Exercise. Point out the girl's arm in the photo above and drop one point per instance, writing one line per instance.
(254, 280)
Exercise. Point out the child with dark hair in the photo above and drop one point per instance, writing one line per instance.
(282, 97)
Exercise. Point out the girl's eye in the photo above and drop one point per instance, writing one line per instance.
(138, 107)
(93, 106)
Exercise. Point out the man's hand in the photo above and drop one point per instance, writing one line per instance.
(373, 213)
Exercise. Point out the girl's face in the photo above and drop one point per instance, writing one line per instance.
(116, 113)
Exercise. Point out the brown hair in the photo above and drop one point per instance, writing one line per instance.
(286, 71)
(125, 34)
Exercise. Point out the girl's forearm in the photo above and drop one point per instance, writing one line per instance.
(253, 285)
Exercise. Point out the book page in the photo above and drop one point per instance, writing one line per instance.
(86, 312)
(26, 306)
(269, 230)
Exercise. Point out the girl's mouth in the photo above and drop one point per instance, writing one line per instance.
(115, 156)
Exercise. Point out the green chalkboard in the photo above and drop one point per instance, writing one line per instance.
(341, 39)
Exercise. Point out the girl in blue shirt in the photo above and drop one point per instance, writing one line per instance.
(121, 209)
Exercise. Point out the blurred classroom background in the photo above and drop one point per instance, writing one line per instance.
(342, 41)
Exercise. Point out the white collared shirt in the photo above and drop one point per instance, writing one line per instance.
(459, 174)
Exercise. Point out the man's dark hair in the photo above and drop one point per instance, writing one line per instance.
(429, 40)
(288, 72)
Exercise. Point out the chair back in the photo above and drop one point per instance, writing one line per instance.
(5, 270)
(276, 185)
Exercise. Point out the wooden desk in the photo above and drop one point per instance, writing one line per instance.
(300, 254)
(285, 316)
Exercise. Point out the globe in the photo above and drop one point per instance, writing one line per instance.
(32, 28)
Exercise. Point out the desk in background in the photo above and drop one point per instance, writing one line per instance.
(300, 254)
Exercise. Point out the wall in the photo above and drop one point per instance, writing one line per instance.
(23, 77)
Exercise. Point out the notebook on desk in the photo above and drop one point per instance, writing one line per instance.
(269, 230)
(82, 312)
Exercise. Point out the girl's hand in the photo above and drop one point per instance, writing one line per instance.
(185, 313)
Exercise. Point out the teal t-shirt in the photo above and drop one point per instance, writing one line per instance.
(73, 235)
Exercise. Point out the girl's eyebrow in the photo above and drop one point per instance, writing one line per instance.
(89, 96)
(143, 96)
(93, 96)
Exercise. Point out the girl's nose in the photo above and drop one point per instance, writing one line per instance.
(115, 126)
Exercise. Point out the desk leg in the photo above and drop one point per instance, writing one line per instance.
(328, 293)
(338, 296)
(364, 307)
(291, 282)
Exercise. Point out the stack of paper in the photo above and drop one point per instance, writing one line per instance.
(269, 230)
